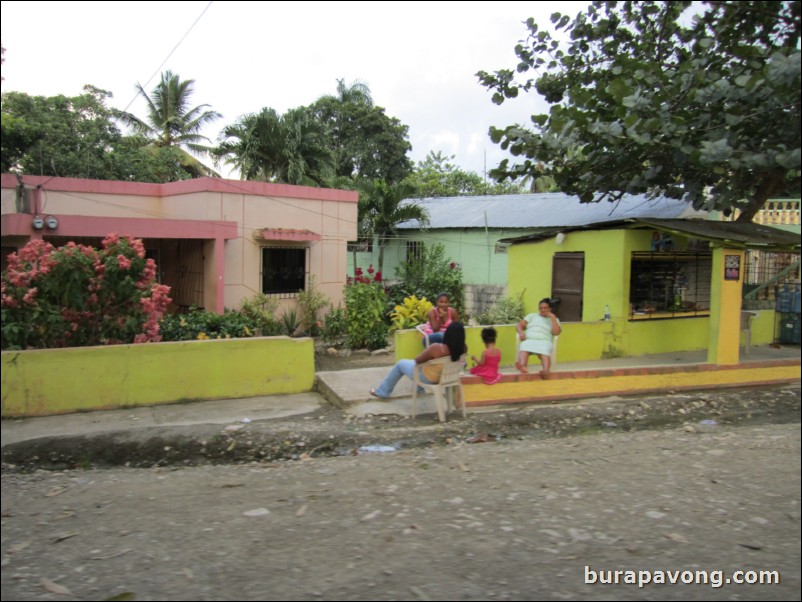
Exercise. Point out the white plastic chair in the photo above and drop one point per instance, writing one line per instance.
(421, 328)
(553, 349)
(443, 390)
(746, 328)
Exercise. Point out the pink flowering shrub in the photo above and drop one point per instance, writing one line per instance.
(75, 296)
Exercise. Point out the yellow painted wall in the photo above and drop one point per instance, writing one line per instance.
(57, 381)
(725, 309)
(606, 268)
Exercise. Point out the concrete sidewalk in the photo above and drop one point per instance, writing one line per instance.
(347, 389)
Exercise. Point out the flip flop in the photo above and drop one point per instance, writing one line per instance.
(373, 392)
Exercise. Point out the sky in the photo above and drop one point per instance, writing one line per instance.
(418, 58)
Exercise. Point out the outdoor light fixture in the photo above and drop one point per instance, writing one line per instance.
(560, 238)
(37, 223)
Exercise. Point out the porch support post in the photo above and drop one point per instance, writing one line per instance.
(220, 274)
(726, 288)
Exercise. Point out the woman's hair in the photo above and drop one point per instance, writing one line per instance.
(545, 300)
(488, 335)
(454, 338)
(443, 294)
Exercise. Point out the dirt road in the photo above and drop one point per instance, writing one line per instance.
(507, 520)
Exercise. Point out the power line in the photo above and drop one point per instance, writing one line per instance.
(167, 58)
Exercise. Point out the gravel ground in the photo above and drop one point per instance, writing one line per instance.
(507, 519)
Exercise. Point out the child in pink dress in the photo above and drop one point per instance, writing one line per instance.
(487, 365)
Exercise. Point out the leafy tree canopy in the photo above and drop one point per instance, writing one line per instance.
(367, 143)
(290, 148)
(435, 176)
(76, 137)
(648, 97)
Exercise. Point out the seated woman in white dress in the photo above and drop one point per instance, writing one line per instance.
(536, 332)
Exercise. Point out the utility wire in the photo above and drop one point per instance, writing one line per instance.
(167, 58)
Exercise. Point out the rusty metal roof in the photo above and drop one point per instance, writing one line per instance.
(543, 210)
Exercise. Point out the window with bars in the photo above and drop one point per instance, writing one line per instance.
(414, 250)
(669, 285)
(284, 270)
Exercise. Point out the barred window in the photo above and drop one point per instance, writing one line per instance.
(414, 250)
(283, 270)
(669, 285)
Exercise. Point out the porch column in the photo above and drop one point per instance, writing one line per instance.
(726, 291)
(219, 274)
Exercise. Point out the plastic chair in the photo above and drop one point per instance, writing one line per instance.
(421, 328)
(443, 390)
(746, 328)
(554, 340)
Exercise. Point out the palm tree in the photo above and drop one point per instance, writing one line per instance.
(289, 148)
(381, 210)
(172, 123)
(357, 93)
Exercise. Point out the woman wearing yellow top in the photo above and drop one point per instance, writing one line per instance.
(453, 345)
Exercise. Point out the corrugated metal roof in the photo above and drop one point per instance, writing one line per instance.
(733, 234)
(549, 209)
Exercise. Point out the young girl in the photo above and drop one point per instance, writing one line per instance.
(487, 365)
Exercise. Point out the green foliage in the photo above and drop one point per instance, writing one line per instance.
(410, 313)
(76, 137)
(311, 301)
(201, 325)
(695, 101)
(291, 148)
(335, 326)
(504, 311)
(173, 124)
(367, 143)
(436, 177)
(76, 296)
(259, 311)
(291, 321)
(365, 310)
(431, 274)
(381, 209)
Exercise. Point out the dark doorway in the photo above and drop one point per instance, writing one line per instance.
(567, 278)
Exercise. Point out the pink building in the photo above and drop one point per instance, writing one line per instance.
(215, 241)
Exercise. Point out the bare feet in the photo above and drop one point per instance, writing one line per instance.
(545, 375)
(373, 392)
(522, 368)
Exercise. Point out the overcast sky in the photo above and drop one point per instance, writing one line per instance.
(419, 58)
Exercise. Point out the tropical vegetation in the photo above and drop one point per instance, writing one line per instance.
(76, 295)
(173, 124)
(698, 101)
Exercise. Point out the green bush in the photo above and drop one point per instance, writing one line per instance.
(261, 310)
(199, 324)
(311, 301)
(428, 276)
(505, 311)
(335, 326)
(365, 313)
